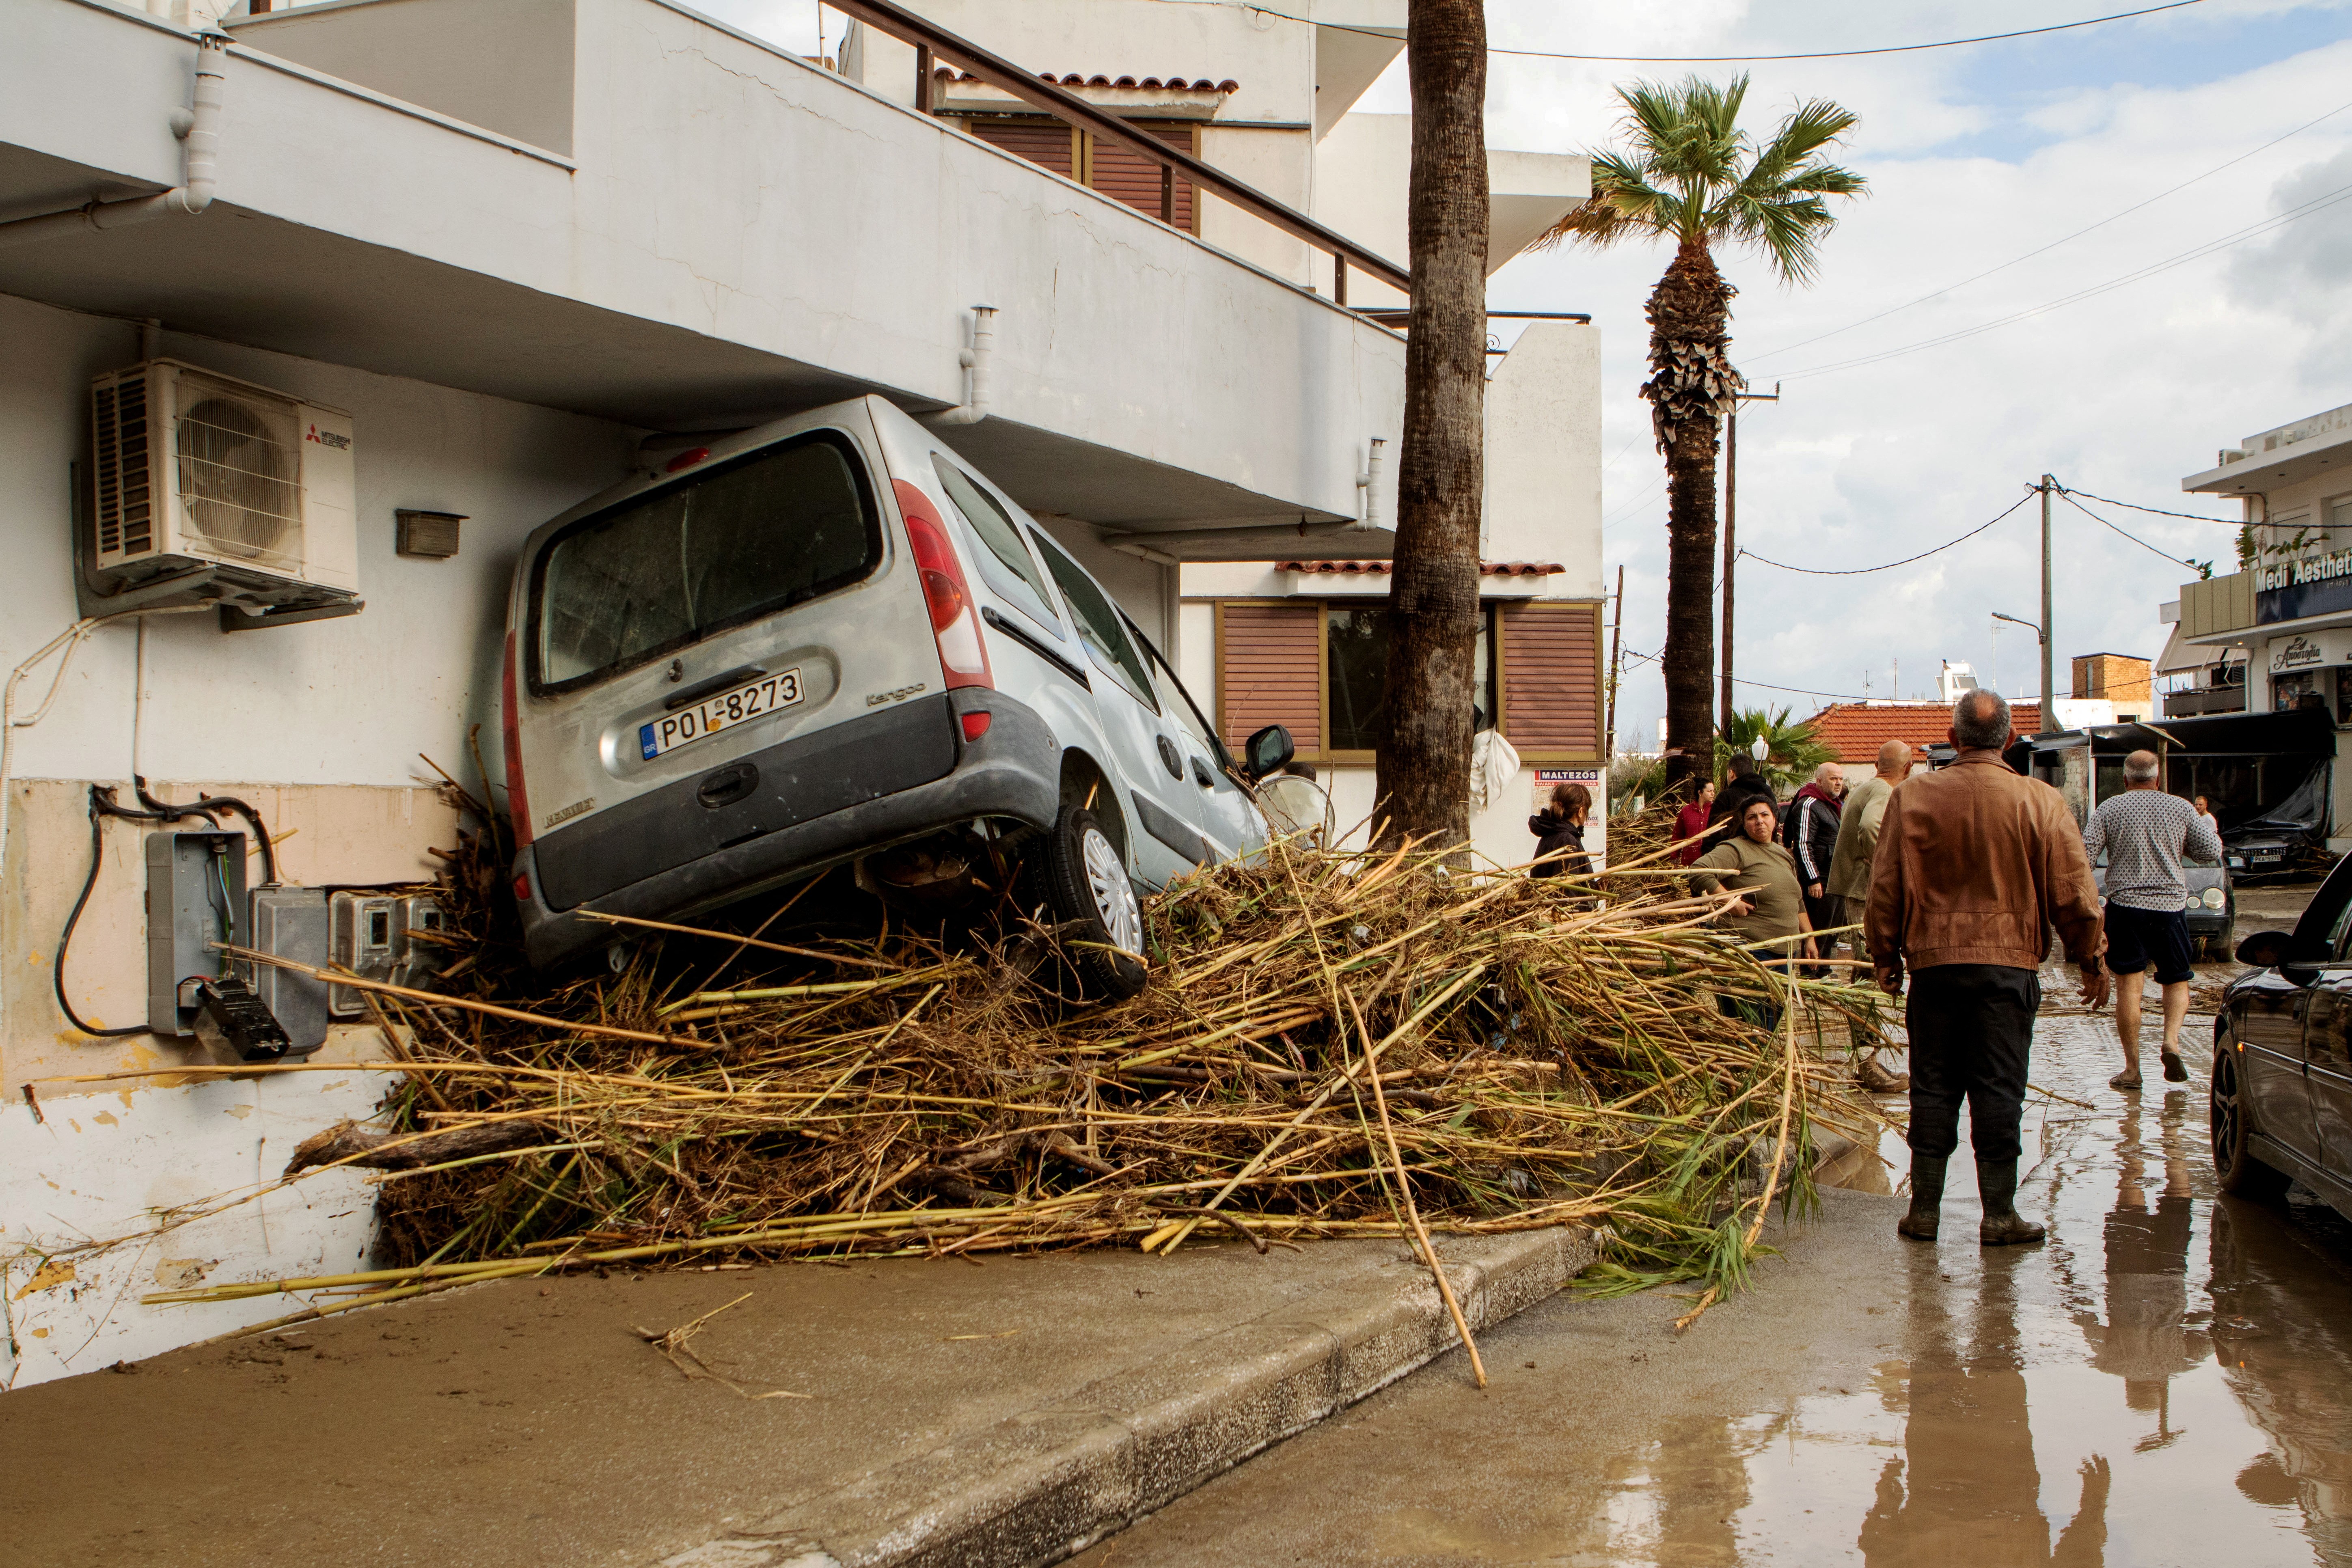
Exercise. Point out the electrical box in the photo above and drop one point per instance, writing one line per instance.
(370, 935)
(292, 923)
(196, 897)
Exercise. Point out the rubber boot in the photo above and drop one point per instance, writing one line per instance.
(1927, 1199)
(2003, 1226)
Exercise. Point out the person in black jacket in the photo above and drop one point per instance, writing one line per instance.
(1809, 832)
(1560, 826)
(1743, 781)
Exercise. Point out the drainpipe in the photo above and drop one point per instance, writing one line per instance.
(975, 360)
(1369, 481)
(200, 128)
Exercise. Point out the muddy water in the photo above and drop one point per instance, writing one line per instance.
(2169, 1379)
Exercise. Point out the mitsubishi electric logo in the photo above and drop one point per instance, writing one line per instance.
(328, 439)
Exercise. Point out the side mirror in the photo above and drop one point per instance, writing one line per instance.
(2279, 950)
(1268, 751)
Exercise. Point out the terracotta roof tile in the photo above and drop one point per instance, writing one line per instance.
(1381, 568)
(1856, 729)
(1073, 79)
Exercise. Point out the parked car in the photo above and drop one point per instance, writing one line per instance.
(2212, 912)
(2282, 1081)
(830, 639)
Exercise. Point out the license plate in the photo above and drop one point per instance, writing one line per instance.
(746, 702)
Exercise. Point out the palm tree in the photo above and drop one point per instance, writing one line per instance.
(1791, 751)
(1691, 175)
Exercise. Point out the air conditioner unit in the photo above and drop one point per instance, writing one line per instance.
(229, 491)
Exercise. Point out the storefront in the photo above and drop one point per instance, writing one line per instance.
(2312, 669)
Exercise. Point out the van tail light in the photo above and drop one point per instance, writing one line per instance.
(975, 725)
(955, 619)
(510, 721)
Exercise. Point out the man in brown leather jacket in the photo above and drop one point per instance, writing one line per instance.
(1974, 865)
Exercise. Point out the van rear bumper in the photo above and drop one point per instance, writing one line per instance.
(1013, 771)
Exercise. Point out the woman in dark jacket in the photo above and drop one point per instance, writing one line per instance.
(1560, 826)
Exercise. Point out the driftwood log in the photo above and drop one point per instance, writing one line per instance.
(349, 1142)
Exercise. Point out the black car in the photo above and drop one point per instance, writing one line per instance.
(2282, 1081)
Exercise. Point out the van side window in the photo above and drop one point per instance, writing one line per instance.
(1177, 703)
(1098, 625)
(1004, 541)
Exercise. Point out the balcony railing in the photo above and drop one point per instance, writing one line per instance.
(2202, 700)
(2217, 604)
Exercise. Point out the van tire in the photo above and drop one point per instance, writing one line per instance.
(1076, 871)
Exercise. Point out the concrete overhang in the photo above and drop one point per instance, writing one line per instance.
(2290, 463)
(732, 236)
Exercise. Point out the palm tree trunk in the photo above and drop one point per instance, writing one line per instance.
(1691, 389)
(1424, 754)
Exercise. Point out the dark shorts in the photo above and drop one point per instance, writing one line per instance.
(2140, 938)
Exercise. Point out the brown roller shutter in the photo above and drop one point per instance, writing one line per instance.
(1270, 671)
(1134, 179)
(1045, 143)
(1551, 678)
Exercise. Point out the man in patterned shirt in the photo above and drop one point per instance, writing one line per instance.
(2145, 833)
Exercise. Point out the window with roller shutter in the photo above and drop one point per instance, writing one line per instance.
(1270, 671)
(1116, 171)
(1551, 680)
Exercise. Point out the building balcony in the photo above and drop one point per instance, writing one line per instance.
(2217, 606)
(2200, 701)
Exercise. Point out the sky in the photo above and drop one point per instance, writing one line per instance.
(1977, 156)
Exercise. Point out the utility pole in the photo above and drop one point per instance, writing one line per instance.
(2049, 684)
(1731, 529)
(1616, 649)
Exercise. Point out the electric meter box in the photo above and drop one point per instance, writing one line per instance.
(292, 923)
(196, 897)
(369, 933)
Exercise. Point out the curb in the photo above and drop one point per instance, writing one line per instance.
(1052, 1482)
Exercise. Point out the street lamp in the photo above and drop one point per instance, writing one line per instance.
(2043, 637)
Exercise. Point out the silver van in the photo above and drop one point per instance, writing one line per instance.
(830, 639)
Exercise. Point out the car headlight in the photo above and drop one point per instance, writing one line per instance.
(2213, 898)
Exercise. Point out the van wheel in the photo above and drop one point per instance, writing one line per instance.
(2236, 1170)
(1077, 873)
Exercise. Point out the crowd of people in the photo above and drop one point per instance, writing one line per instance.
(1948, 887)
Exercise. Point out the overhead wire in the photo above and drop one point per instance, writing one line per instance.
(2160, 512)
(1889, 566)
(2065, 239)
(2195, 253)
(1731, 59)
(2067, 496)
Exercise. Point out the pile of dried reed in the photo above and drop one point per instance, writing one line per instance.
(1331, 1045)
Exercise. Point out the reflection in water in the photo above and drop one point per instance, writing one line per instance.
(2144, 1341)
(1967, 1487)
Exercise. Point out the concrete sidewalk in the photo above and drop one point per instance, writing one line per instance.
(943, 1412)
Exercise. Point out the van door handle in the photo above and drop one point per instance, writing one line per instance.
(1201, 775)
(728, 785)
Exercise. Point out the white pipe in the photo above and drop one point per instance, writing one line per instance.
(975, 361)
(1145, 553)
(201, 164)
(1369, 481)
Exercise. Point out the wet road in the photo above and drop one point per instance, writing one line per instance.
(2167, 1380)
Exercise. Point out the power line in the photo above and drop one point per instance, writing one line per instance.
(1866, 571)
(2015, 260)
(2067, 496)
(2210, 247)
(2159, 511)
(1734, 60)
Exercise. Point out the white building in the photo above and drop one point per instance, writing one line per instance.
(2278, 635)
(521, 246)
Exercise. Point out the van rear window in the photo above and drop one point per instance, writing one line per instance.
(769, 530)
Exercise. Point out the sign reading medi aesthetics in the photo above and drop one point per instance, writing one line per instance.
(2314, 586)
(2309, 650)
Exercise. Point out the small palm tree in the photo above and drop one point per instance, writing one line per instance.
(1691, 175)
(1791, 751)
